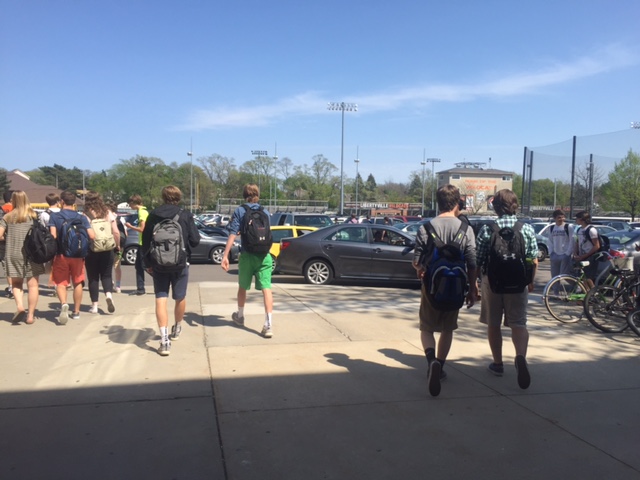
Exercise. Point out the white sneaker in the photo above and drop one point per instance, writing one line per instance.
(93, 309)
(118, 290)
(64, 315)
(266, 331)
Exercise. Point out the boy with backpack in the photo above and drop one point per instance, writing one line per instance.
(251, 222)
(560, 245)
(508, 257)
(588, 244)
(168, 236)
(445, 259)
(74, 234)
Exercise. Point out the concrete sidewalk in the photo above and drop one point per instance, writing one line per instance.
(338, 393)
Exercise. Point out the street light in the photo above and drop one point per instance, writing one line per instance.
(190, 155)
(349, 107)
(259, 154)
(433, 162)
(357, 160)
(423, 163)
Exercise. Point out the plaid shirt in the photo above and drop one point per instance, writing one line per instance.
(483, 240)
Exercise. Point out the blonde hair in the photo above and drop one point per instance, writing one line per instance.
(251, 193)
(22, 211)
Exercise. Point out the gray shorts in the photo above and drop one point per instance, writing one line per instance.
(494, 306)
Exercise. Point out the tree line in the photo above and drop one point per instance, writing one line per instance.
(216, 176)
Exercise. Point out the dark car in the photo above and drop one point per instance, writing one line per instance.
(625, 242)
(349, 251)
(211, 230)
(317, 220)
(210, 249)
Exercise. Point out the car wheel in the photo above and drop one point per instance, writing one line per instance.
(216, 255)
(129, 255)
(542, 252)
(273, 263)
(318, 272)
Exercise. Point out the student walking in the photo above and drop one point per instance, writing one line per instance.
(170, 266)
(252, 263)
(436, 315)
(14, 227)
(135, 202)
(507, 254)
(99, 261)
(73, 232)
(117, 253)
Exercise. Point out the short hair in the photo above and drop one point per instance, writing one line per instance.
(68, 198)
(6, 195)
(251, 193)
(135, 199)
(171, 195)
(584, 215)
(557, 213)
(505, 202)
(448, 197)
(52, 199)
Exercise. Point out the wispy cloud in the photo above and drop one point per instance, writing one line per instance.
(522, 83)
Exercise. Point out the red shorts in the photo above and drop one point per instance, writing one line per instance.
(64, 268)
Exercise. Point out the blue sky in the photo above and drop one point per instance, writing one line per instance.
(87, 83)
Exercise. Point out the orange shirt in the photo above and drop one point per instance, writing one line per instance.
(7, 207)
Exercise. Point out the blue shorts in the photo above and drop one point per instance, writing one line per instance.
(178, 282)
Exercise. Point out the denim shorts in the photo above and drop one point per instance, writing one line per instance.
(177, 281)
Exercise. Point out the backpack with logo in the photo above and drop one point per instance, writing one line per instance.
(74, 237)
(167, 251)
(605, 245)
(445, 276)
(39, 245)
(507, 269)
(103, 240)
(255, 230)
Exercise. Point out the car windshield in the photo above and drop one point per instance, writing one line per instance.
(623, 238)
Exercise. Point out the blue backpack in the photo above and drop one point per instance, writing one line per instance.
(445, 277)
(74, 238)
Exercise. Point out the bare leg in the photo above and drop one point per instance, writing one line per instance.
(16, 288)
(33, 284)
(494, 335)
(242, 297)
(267, 295)
(179, 309)
(77, 297)
(520, 339)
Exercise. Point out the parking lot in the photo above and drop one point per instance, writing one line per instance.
(339, 392)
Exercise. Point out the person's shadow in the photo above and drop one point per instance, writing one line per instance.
(139, 337)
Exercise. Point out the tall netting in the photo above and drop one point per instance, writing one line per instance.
(572, 171)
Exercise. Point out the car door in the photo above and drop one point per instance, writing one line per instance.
(349, 251)
(391, 254)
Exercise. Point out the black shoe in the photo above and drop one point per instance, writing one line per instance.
(524, 379)
(434, 378)
(138, 292)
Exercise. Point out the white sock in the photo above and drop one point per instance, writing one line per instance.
(241, 312)
(108, 294)
(164, 335)
(267, 321)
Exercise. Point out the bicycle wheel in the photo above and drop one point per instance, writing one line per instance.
(607, 308)
(633, 319)
(564, 298)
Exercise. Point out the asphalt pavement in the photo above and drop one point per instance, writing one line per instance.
(339, 392)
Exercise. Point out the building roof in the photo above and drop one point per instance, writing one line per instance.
(36, 193)
(477, 171)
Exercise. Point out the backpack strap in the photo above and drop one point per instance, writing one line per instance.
(434, 236)
(518, 226)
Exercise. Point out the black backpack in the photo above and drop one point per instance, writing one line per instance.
(507, 269)
(605, 245)
(39, 245)
(255, 230)
(445, 278)
(167, 252)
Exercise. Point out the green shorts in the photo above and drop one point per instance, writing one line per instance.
(252, 265)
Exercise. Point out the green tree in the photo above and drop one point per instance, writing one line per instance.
(624, 184)
(4, 181)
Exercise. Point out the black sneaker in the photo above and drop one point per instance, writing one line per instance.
(524, 379)
(497, 370)
(435, 370)
(165, 349)
(176, 330)
(138, 292)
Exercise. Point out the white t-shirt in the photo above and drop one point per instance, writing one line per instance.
(584, 245)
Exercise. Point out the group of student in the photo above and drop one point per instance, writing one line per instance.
(503, 257)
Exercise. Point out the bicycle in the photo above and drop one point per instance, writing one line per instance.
(633, 319)
(564, 294)
(608, 307)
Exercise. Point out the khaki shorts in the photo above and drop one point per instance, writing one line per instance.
(494, 305)
(432, 320)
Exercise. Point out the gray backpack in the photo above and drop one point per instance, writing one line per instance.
(166, 249)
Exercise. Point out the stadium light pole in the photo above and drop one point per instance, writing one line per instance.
(433, 162)
(259, 154)
(342, 107)
(357, 162)
(635, 124)
(423, 163)
(190, 155)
